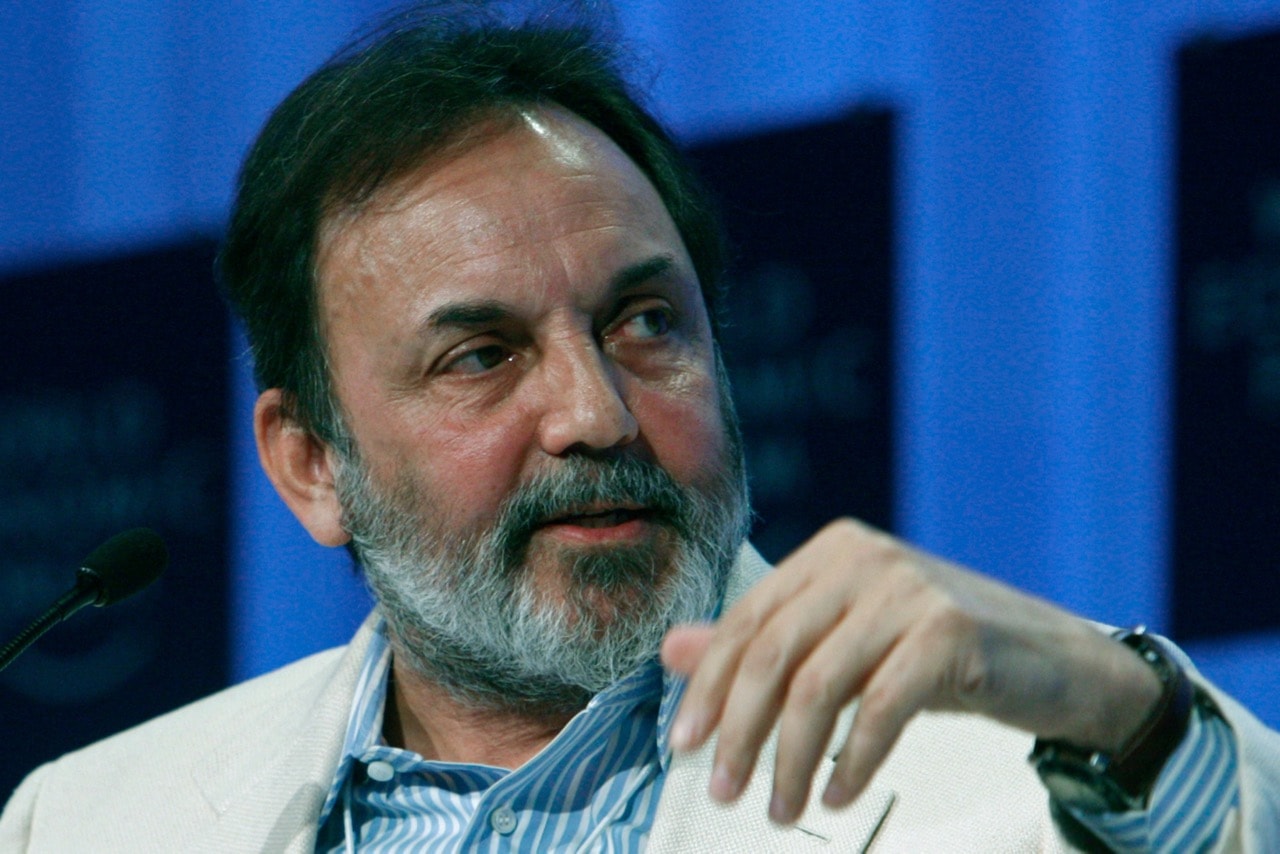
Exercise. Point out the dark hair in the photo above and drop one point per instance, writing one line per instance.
(375, 112)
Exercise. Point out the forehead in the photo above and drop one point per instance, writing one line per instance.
(513, 203)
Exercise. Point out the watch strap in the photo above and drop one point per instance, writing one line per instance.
(1123, 780)
(1137, 764)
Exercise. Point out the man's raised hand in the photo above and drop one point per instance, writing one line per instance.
(856, 614)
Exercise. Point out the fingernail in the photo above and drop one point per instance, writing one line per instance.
(683, 733)
(724, 785)
(780, 811)
(835, 795)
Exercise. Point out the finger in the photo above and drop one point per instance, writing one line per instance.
(833, 673)
(708, 687)
(904, 683)
(762, 681)
(684, 647)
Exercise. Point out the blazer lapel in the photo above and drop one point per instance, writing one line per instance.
(274, 771)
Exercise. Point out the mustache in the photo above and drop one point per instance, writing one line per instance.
(582, 482)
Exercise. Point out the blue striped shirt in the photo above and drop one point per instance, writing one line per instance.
(596, 786)
(1196, 789)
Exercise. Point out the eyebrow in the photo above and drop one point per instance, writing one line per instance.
(466, 315)
(640, 272)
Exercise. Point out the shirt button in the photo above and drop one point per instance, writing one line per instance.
(381, 771)
(503, 820)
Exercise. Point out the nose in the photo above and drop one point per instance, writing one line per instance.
(585, 407)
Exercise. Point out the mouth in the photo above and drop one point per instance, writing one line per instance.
(606, 517)
(600, 523)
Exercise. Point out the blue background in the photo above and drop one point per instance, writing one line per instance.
(1035, 301)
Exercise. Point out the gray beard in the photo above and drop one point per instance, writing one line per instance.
(465, 612)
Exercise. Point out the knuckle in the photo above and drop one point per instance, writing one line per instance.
(740, 625)
(909, 566)
(847, 527)
(971, 675)
(856, 537)
(884, 550)
(763, 660)
(813, 687)
(875, 711)
(942, 619)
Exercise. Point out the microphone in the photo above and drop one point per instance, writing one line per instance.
(115, 570)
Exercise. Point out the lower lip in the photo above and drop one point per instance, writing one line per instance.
(632, 529)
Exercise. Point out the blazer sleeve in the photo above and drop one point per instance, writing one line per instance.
(1255, 824)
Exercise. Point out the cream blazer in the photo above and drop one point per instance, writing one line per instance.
(248, 769)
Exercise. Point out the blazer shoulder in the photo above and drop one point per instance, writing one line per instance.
(191, 760)
(281, 690)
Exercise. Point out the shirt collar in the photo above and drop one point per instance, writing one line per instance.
(672, 692)
(364, 725)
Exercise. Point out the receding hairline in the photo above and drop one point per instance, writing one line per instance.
(488, 124)
(343, 202)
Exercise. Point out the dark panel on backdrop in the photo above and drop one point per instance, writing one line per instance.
(809, 319)
(113, 414)
(1227, 411)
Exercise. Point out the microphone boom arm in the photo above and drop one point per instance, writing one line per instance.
(86, 592)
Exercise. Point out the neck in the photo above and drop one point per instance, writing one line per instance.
(423, 717)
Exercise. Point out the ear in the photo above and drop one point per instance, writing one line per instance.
(300, 467)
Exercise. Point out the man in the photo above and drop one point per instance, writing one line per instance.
(480, 289)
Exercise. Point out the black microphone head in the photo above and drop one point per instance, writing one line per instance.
(125, 564)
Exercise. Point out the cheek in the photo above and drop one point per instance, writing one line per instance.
(685, 429)
(470, 467)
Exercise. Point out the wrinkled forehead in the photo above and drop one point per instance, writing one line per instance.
(569, 140)
(514, 176)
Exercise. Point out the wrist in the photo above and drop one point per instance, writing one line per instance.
(1138, 688)
(1118, 780)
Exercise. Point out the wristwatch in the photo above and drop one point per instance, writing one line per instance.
(1096, 781)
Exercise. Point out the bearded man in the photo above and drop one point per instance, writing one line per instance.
(480, 286)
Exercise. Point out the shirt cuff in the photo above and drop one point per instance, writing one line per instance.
(1192, 797)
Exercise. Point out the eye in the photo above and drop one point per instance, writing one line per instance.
(479, 360)
(650, 323)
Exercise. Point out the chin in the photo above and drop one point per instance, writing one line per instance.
(606, 607)
(603, 584)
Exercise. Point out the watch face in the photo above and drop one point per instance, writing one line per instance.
(1073, 792)
(1081, 787)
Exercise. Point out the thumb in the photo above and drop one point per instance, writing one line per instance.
(684, 646)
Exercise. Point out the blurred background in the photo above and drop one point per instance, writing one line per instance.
(1007, 282)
